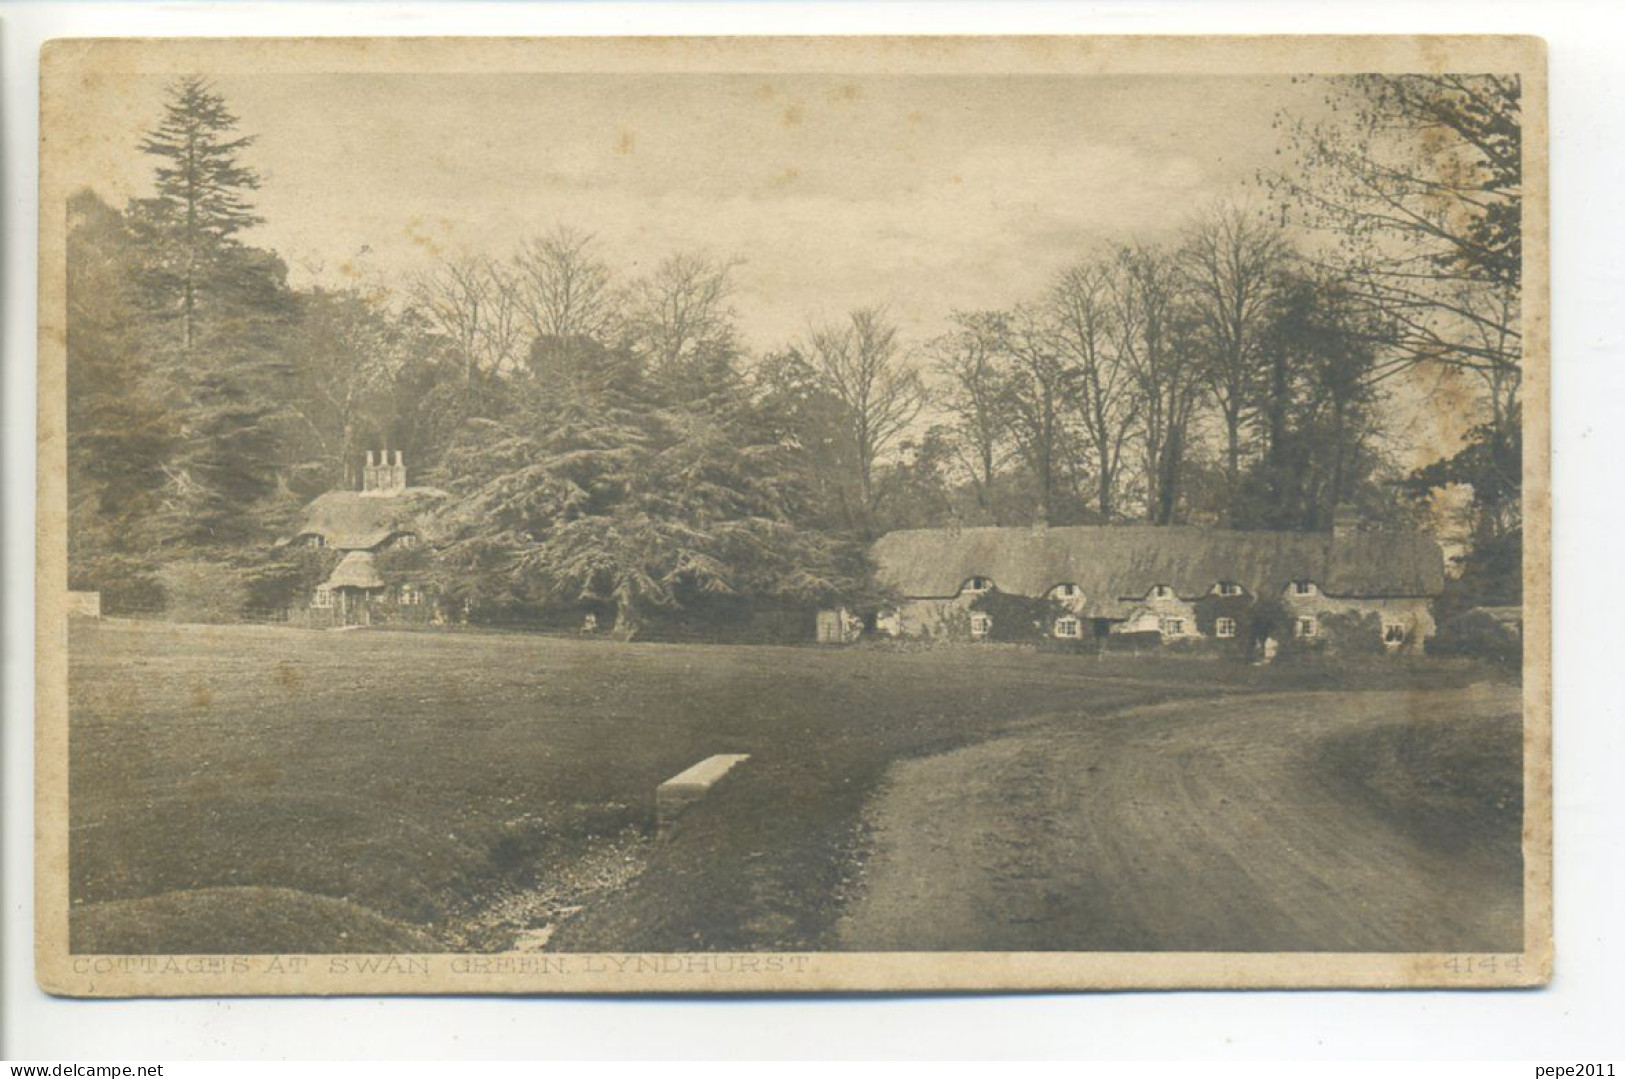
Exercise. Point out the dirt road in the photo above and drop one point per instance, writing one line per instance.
(1311, 821)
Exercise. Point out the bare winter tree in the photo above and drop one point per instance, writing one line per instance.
(860, 365)
(564, 287)
(348, 352)
(1146, 297)
(970, 361)
(1419, 180)
(1082, 317)
(1041, 394)
(1229, 263)
(679, 316)
(474, 302)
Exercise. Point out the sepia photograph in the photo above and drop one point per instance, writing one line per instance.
(792, 514)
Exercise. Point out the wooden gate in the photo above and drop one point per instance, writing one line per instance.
(831, 627)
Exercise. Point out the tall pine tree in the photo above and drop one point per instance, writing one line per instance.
(225, 373)
(201, 202)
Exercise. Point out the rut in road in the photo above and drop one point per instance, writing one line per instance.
(1195, 826)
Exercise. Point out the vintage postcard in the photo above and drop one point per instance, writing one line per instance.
(641, 515)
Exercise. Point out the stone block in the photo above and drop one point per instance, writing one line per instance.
(690, 785)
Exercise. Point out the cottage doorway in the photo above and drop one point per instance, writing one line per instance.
(354, 610)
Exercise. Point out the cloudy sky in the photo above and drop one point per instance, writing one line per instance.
(925, 194)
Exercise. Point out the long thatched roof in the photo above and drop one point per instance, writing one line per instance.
(353, 521)
(1115, 564)
(356, 570)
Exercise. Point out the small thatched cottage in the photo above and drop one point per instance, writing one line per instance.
(372, 527)
(1182, 582)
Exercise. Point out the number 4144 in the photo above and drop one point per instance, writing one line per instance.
(1483, 964)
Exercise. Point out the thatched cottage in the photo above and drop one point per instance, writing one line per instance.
(371, 527)
(1183, 582)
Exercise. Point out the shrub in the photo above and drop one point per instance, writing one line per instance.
(1352, 633)
(715, 618)
(204, 591)
(1017, 619)
(1210, 608)
(955, 625)
(286, 576)
(1264, 619)
(1478, 635)
(127, 585)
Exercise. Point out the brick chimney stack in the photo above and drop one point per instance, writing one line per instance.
(383, 476)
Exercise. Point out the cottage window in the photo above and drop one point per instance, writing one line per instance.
(1229, 588)
(1172, 627)
(410, 595)
(1066, 591)
(1307, 627)
(978, 584)
(315, 540)
(1224, 627)
(1161, 591)
(1302, 588)
(980, 625)
(1393, 633)
(1068, 627)
(322, 597)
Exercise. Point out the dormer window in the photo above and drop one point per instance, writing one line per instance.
(1227, 588)
(315, 539)
(1303, 588)
(1066, 591)
(977, 585)
(1161, 591)
(406, 541)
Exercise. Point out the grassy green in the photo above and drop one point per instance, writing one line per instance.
(1449, 786)
(410, 775)
(247, 921)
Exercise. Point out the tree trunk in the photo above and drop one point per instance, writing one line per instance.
(1168, 483)
(626, 617)
(1232, 466)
